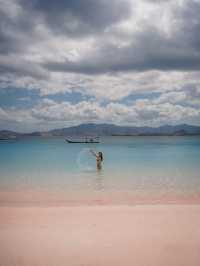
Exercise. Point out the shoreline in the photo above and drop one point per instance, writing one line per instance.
(94, 198)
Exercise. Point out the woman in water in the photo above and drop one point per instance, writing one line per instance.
(99, 158)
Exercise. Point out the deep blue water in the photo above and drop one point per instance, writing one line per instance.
(129, 163)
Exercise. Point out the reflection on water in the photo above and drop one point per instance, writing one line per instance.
(99, 181)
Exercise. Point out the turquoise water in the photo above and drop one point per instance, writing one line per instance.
(130, 163)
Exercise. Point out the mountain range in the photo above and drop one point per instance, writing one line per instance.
(92, 129)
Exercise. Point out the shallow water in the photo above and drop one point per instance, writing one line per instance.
(135, 164)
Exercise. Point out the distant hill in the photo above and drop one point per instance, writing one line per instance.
(4, 134)
(111, 130)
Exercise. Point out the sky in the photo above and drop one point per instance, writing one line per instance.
(127, 62)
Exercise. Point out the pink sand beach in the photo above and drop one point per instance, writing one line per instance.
(113, 235)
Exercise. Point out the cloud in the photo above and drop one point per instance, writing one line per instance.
(166, 39)
(51, 114)
(139, 61)
(17, 26)
(114, 87)
(113, 36)
(21, 67)
(78, 18)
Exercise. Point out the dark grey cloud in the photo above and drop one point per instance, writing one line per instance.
(79, 18)
(148, 49)
(7, 43)
(9, 65)
(189, 25)
(15, 29)
(72, 19)
(17, 33)
(157, 1)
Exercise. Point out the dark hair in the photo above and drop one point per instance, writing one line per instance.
(101, 155)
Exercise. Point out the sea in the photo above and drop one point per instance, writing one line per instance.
(134, 169)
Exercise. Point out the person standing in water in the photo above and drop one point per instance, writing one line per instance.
(99, 158)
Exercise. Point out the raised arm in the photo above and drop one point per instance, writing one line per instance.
(93, 153)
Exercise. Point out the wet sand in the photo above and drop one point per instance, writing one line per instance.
(59, 198)
(113, 235)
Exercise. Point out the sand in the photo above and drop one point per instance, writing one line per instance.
(140, 235)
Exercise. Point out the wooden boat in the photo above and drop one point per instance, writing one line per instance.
(86, 140)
